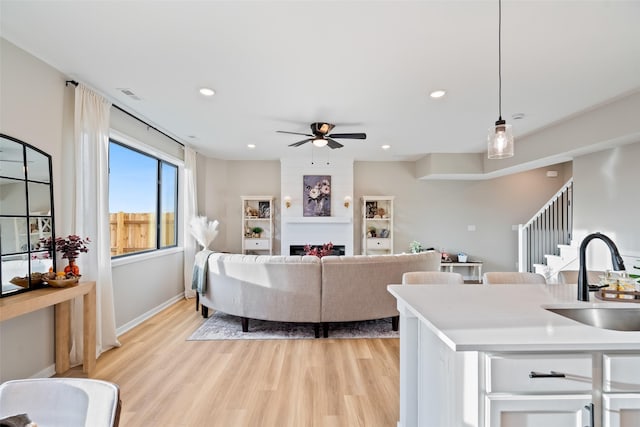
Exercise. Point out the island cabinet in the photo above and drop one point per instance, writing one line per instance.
(551, 390)
(492, 356)
(621, 390)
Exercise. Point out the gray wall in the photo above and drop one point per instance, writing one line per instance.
(607, 195)
(35, 106)
(31, 109)
(436, 213)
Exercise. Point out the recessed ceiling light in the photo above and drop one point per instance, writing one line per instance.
(517, 116)
(252, 146)
(207, 91)
(438, 93)
(386, 147)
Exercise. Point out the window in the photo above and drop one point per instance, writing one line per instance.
(143, 201)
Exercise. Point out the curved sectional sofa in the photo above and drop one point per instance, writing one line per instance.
(307, 288)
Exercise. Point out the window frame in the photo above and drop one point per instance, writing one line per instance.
(161, 159)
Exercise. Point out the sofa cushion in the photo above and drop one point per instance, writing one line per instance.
(267, 287)
(355, 287)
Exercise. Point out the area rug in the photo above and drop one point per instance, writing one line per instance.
(222, 326)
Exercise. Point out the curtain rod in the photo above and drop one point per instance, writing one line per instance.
(75, 83)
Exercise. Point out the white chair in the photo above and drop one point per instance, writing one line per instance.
(431, 278)
(571, 276)
(513, 277)
(62, 402)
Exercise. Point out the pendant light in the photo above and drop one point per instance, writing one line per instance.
(500, 138)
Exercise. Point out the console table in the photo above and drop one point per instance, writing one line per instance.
(475, 265)
(60, 298)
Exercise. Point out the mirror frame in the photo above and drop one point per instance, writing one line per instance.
(31, 246)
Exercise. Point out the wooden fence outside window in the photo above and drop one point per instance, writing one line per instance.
(136, 232)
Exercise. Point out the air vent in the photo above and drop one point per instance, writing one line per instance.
(129, 93)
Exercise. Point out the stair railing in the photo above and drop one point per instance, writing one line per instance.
(551, 226)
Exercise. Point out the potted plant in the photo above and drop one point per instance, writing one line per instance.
(70, 247)
(257, 232)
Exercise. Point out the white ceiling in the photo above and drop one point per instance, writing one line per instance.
(367, 66)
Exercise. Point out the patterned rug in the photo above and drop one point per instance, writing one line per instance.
(222, 326)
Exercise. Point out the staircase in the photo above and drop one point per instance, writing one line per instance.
(544, 242)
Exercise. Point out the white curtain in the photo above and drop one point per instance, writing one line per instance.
(190, 211)
(91, 215)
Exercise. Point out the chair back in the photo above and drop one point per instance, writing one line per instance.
(431, 278)
(62, 402)
(571, 276)
(513, 277)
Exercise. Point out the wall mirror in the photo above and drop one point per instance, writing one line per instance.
(26, 215)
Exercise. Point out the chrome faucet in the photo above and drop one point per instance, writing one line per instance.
(616, 260)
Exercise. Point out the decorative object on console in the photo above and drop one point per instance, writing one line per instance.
(317, 195)
(326, 249)
(70, 247)
(415, 247)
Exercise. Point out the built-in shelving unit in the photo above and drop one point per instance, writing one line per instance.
(257, 214)
(377, 224)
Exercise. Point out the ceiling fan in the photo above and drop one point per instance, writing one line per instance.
(320, 136)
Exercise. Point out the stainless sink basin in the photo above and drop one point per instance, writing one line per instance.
(618, 319)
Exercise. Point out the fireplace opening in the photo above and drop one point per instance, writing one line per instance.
(299, 249)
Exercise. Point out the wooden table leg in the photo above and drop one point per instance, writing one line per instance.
(62, 315)
(89, 332)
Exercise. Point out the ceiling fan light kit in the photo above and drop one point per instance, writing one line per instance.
(320, 136)
(500, 138)
(319, 142)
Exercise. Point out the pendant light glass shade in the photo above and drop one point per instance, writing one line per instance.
(500, 141)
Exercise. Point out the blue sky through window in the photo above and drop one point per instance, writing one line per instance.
(132, 180)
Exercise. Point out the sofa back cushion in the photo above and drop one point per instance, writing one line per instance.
(269, 287)
(355, 287)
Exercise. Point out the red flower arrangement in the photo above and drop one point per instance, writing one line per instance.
(326, 249)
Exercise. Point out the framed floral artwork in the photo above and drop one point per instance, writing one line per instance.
(316, 195)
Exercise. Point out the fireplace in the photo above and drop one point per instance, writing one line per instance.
(299, 249)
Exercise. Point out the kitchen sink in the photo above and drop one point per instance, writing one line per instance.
(617, 319)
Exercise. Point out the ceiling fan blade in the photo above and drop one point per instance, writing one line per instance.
(299, 143)
(293, 133)
(332, 143)
(348, 135)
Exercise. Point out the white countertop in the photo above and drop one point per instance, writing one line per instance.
(510, 317)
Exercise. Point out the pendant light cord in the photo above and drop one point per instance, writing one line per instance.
(500, 59)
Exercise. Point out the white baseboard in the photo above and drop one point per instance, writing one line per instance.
(138, 320)
(47, 372)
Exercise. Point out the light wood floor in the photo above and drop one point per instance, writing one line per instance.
(167, 381)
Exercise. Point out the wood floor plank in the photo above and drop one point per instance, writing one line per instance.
(166, 380)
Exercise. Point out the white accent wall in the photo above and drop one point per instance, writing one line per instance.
(297, 229)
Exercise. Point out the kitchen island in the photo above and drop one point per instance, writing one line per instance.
(493, 356)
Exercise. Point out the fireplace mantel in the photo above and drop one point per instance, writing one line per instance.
(316, 219)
